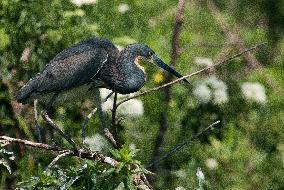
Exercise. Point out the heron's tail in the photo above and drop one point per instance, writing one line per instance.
(25, 92)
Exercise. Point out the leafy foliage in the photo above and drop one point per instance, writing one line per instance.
(247, 153)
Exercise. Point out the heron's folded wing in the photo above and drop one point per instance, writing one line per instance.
(72, 67)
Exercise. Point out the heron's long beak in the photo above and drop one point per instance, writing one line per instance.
(166, 67)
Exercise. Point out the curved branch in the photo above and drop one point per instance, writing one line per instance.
(191, 74)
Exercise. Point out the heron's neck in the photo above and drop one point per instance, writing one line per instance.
(132, 75)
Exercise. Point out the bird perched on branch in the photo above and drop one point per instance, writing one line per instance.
(91, 64)
(96, 62)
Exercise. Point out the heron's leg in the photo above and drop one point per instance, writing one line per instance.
(87, 120)
(51, 101)
(37, 127)
(48, 108)
(108, 96)
(98, 104)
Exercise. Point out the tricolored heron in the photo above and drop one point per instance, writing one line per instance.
(91, 64)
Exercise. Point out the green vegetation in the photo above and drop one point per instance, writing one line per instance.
(245, 152)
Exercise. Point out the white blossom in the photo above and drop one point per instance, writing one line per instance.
(200, 178)
(216, 83)
(211, 89)
(200, 174)
(107, 106)
(180, 188)
(202, 92)
(219, 87)
(104, 92)
(123, 8)
(220, 96)
(83, 2)
(180, 173)
(211, 163)
(96, 142)
(203, 61)
(254, 91)
(133, 107)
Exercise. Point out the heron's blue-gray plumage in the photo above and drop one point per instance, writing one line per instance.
(71, 68)
(91, 64)
(124, 76)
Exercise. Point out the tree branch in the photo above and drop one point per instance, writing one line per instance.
(65, 153)
(191, 74)
(57, 128)
(179, 146)
(81, 153)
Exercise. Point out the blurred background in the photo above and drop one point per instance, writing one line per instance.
(246, 95)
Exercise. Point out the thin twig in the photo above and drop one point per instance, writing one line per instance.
(179, 146)
(57, 128)
(36, 121)
(191, 74)
(81, 153)
(65, 153)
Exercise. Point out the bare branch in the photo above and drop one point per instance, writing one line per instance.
(65, 153)
(179, 146)
(110, 137)
(191, 74)
(57, 128)
(81, 153)
(176, 31)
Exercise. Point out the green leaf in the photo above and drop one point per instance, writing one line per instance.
(121, 186)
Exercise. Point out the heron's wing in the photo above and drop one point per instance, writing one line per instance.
(72, 67)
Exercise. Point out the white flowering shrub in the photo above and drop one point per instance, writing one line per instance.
(203, 61)
(211, 163)
(132, 108)
(254, 91)
(83, 2)
(123, 8)
(211, 89)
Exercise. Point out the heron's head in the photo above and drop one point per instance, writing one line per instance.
(145, 55)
